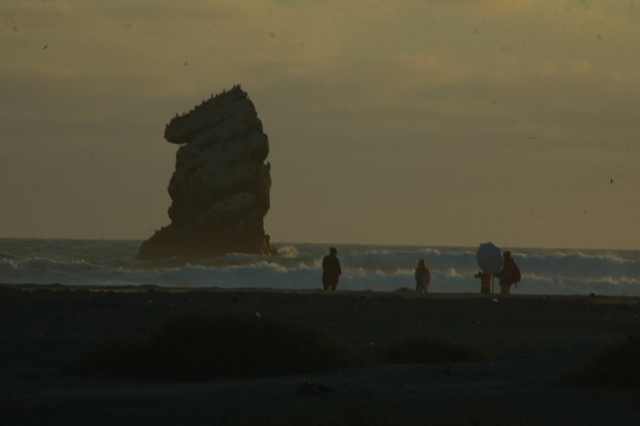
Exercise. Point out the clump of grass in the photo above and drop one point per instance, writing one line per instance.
(210, 347)
(434, 350)
(617, 367)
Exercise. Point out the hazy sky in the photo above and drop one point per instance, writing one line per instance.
(429, 122)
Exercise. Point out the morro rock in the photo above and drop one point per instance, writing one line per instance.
(220, 187)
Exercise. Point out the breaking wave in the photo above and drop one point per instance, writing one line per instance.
(365, 267)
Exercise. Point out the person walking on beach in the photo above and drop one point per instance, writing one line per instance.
(331, 270)
(422, 276)
(509, 274)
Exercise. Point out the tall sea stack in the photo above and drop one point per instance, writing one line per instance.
(220, 187)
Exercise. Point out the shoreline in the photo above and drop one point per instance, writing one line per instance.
(403, 291)
(533, 340)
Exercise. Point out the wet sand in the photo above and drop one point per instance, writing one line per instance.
(534, 340)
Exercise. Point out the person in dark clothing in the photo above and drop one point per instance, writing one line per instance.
(331, 270)
(422, 276)
(506, 273)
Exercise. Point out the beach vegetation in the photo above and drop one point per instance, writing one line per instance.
(618, 366)
(435, 349)
(201, 347)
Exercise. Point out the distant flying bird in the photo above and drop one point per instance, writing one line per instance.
(185, 62)
(611, 180)
(45, 46)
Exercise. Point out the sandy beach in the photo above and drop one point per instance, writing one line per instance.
(534, 340)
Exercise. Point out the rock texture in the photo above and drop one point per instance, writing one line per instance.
(220, 187)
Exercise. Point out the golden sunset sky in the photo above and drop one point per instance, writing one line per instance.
(432, 122)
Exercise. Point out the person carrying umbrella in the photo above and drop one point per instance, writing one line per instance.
(490, 262)
(486, 280)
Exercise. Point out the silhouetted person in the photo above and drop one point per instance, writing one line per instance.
(422, 276)
(331, 270)
(506, 274)
(485, 282)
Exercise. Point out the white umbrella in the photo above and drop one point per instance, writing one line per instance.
(489, 258)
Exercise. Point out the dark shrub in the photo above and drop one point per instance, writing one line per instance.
(208, 347)
(617, 367)
(433, 350)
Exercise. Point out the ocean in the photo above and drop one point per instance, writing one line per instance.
(381, 268)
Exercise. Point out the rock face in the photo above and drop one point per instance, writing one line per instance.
(220, 187)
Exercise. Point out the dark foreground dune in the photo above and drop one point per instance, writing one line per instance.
(534, 341)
